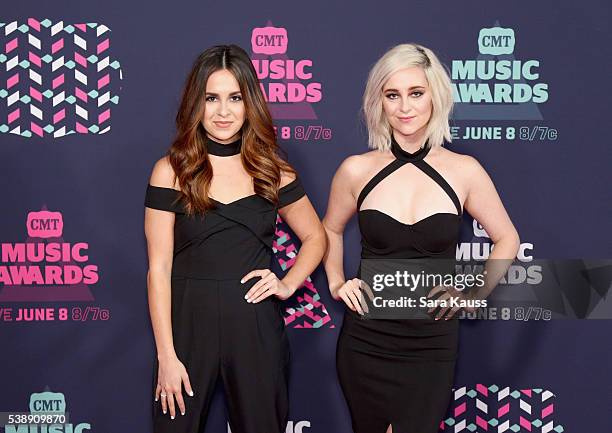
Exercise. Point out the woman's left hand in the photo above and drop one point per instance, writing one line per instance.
(267, 286)
(449, 292)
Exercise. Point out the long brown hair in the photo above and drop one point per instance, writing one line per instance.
(259, 152)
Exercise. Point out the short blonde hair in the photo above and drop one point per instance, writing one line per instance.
(401, 57)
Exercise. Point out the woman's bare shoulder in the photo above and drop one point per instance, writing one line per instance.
(458, 161)
(287, 177)
(357, 167)
(163, 174)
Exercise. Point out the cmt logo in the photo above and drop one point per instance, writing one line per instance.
(269, 40)
(56, 79)
(288, 84)
(45, 267)
(45, 224)
(496, 41)
(479, 230)
(496, 85)
(47, 402)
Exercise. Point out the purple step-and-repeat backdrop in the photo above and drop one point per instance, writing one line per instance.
(88, 94)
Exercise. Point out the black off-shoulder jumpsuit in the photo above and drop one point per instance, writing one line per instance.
(216, 332)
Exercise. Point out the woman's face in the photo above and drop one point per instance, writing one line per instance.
(224, 112)
(407, 101)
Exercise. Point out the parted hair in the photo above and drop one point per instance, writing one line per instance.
(260, 154)
(401, 57)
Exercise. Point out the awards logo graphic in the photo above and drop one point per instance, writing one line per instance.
(291, 90)
(499, 86)
(47, 415)
(288, 84)
(47, 269)
(533, 288)
(58, 79)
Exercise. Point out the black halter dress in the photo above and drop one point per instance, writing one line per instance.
(216, 333)
(400, 372)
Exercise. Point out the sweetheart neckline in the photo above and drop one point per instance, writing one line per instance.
(410, 224)
(233, 201)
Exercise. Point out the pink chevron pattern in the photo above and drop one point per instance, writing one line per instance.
(57, 79)
(304, 309)
(494, 409)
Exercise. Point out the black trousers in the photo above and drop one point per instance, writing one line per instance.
(217, 334)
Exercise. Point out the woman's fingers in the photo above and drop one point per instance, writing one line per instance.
(157, 391)
(171, 409)
(443, 297)
(360, 294)
(255, 273)
(180, 402)
(441, 313)
(353, 297)
(173, 378)
(350, 294)
(347, 301)
(187, 384)
(266, 276)
(452, 312)
(443, 305)
(164, 401)
(252, 274)
(265, 291)
(435, 291)
(262, 286)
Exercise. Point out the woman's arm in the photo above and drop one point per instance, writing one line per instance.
(341, 207)
(305, 223)
(159, 231)
(483, 204)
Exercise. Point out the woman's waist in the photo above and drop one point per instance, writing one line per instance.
(221, 266)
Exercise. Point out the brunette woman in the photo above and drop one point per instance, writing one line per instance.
(211, 208)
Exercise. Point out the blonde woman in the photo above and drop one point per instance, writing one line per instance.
(409, 193)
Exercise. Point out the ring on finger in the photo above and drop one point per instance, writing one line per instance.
(163, 395)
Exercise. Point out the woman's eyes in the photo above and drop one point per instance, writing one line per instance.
(232, 98)
(416, 94)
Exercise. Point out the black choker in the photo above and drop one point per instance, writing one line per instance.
(400, 153)
(215, 148)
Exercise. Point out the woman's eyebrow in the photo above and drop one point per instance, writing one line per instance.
(409, 88)
(237, 92)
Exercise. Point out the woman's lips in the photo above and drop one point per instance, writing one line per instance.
(406, 119)
(222, 124)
